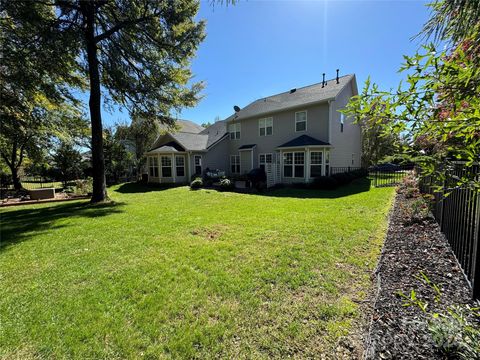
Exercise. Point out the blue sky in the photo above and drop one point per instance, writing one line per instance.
(260, 48)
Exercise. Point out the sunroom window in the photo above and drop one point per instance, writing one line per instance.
(166, 166)
(180, 165)
(153, 166)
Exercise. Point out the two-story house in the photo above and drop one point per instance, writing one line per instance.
(296, 136)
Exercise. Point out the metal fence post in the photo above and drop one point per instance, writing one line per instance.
(476, 252)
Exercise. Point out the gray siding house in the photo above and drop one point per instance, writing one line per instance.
(295, 136)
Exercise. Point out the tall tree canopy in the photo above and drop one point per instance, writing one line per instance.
(135, 52)
(36, 102)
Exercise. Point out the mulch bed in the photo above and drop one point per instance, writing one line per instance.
(396, 331)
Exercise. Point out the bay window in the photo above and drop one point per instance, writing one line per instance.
(316, 163)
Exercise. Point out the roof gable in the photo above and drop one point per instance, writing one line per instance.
(301, 96)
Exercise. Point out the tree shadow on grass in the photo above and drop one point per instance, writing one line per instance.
(135, 187)
(356, 187)
(20, 225)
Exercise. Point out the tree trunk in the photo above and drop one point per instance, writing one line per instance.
(17, 185)
(98, 162)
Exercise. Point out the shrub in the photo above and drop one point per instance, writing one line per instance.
(324, 183)
(455, 330)
(84, 187)
(197, 183)
(258, 178)
(226, 184)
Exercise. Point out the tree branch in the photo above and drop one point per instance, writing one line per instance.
(121, 25)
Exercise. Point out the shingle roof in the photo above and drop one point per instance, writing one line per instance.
(215, 132)
(247, 147)
(301, 96)
(171, 146)
(194, 142)
(183, 126)
(303, 140)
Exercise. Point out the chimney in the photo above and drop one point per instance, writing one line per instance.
(337, 75)
(323, 81)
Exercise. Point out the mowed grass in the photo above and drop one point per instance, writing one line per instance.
(189, 274)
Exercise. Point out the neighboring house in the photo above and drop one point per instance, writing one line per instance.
(295, 136)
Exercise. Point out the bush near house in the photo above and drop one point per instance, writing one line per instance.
(197, 183)
(336, 180)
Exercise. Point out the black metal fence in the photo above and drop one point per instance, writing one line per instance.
(34, 182)
(457, 211)
(344, 169)
(382, 176)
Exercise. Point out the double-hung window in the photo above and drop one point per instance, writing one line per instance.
(301, 121)
(294, 164)
(153, 166)
(180, 165)
(235, 164)
(234, 130)
(265, 126)
(166, 166)
(342, 121)
(197, 161)
(316, 158)
(265, 159)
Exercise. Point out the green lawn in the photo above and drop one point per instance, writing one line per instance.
(188, 274)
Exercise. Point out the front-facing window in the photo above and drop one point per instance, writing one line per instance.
(235, 164)
(166, 166)
(265, 126)
(301, 121)
(316, 158)
(153, 166)
(180, 165)
(264, 159)
(294, 164)
(234, 130)
(197, 160)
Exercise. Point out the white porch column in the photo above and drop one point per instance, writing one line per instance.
(174, 168)
(323, 162)
(281, 166)
(189, 172)
(159, 164)
(307, 165)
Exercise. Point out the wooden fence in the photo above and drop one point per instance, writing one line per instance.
(457, 211)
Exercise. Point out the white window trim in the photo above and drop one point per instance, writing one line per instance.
(176, 166)
(161, 166)
(265, 126)
(293, 164)
(237, 128)
(232, 163)
(259, 155)
(152, 165)
(322, 163)
(306, 120)
(195, 165)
